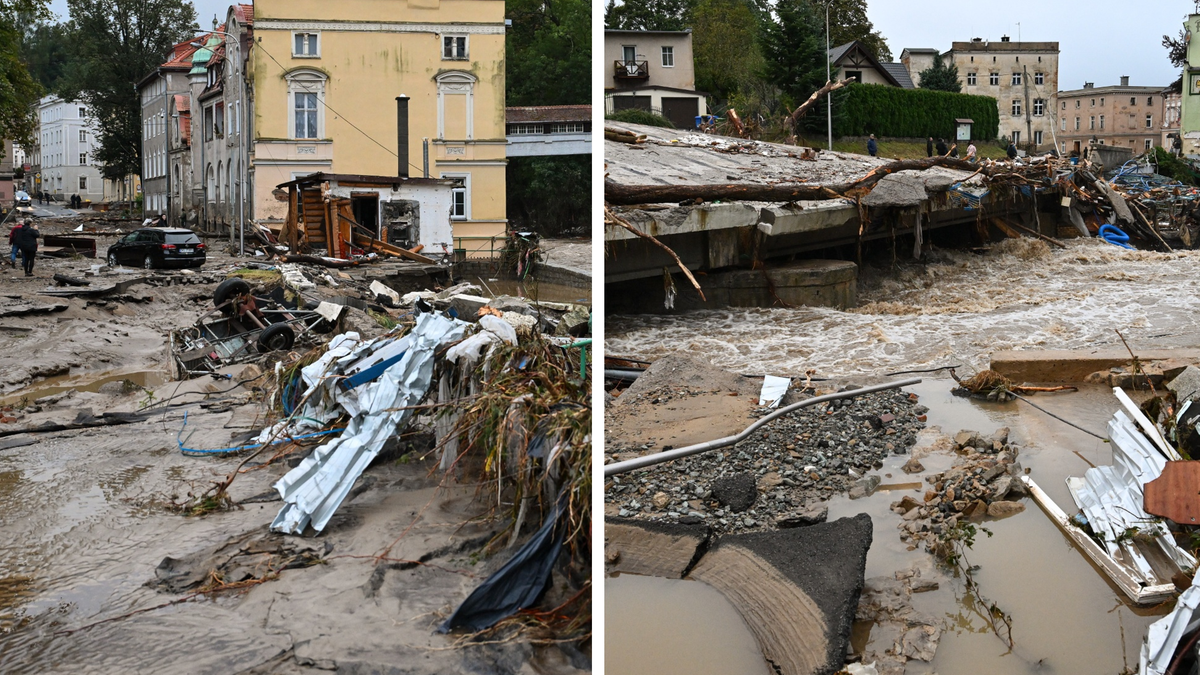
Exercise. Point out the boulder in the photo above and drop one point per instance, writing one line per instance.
(1004, 509)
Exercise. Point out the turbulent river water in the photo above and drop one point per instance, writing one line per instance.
(957, 309)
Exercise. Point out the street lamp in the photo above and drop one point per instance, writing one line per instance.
(828, 78)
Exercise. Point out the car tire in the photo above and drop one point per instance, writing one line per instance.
(276, 337)
(228, 289)
(148, 262)
(112, 259)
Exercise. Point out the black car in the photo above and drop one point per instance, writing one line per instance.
(153, 247)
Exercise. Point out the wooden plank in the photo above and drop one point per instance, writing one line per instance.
(1116, 571)
(1175, 494)
(384, 247)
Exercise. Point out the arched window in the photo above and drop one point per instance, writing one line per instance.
(456, 105)
(228, 181)
(210, 184)
(217, 194)
(306, 94)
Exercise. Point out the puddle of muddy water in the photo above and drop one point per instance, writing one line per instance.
(656, 626)
(146, 379)
(535, 290)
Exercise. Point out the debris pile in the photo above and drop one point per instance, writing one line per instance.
(775, 478)
(902, 632)
(984, 482)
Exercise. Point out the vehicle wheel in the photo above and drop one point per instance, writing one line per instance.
(226, 290)
(112, 259)
(276, 337)
(148, 262)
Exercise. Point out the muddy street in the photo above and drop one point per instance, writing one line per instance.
(117, 561)
(956, 310)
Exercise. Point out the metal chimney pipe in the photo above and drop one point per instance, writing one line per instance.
(402, 135)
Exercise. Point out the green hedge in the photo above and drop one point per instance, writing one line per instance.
(912, 113)
(636, 116)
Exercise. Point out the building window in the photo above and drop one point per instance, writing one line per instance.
(1016, 137)
(454, 47)
(1101, 101)
(1064, 105)
(1092, 122)
(1016, 78)
(971, 79)
(1149, 121)
(1016, 107)
(1132, 100)
(306, 89)
(1148, 141)
(1077, 102)
(1037, 138)
(456, 105)
(306, 45)
(1064, 124)
(83, 159)
(83, 183)
(460, 204)
(1093, 103)
(668, 57)
(208, 123)
(219, 121)
(994, 79)
(82, 136)
(1039, 107)
(1076, 124)
(568, 127)
(1039, 78)
(1102, 121)
(524, 129)
(1149, 100)
(82, 113)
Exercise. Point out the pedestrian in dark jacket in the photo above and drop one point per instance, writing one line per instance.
(872, 146)
(1012, 150)
(929, 147)
(941, 147)
(954, 150)
(26, 240)
(12, 261)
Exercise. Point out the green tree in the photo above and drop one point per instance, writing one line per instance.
(648, 15)
(940, 77)
(548, 52)
(1176, 49)
(725, 46)
(794, 51)
(19, 91)
(46, 50)
(116, 43)
(552, 195)
(848, 22)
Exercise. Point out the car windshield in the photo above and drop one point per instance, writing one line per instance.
(182, 238)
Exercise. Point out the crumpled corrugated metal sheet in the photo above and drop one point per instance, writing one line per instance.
(313, 490)
(1162, 639)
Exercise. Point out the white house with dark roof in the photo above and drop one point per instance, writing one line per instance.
(653, 71)
(856, 60)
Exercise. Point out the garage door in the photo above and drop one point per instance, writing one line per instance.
(631, 102)
(681, 111)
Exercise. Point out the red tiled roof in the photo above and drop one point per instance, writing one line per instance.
(244, 14)
(549, 113)
(182, 103)
(181, 54)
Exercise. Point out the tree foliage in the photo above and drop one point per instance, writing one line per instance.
(648, 15)
(116, 44)
(1176, 49)
(554, 196)
(19, 91)
(848, 22)
(725, 46)
(940, 77)
(794, 53)
(46, 50)
(913, 113)
(548, 52)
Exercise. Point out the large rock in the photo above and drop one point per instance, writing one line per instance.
(1187, 384)
(797, 589)
(737, 492)
(1004, 509)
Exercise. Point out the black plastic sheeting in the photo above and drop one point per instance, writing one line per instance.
(515, 586)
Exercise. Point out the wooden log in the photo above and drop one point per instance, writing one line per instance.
(803, 108)
(622, 136)
(616, 193)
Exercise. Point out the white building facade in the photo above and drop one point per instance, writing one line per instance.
(66, 140)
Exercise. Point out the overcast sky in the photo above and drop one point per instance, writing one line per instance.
(1098, 41)
(205, 9)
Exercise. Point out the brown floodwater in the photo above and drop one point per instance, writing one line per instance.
(534, 290)
(146, 379)
(1067, 618)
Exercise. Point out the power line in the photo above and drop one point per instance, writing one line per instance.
(345, 119)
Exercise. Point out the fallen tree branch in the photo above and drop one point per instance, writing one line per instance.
(622, 136)
(803, 108)
(616, 193)
(609, 216)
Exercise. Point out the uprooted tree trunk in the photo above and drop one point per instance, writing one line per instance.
(803, 108)
(616, 193)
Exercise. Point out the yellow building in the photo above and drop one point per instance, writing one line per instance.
(326, 78)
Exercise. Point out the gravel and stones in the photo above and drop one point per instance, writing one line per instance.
(795, 461)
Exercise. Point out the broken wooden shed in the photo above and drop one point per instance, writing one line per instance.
(344, 215)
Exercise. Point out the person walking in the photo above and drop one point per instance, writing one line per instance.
(929, 147)
(872, 146)
(26, 240)
(12, 261)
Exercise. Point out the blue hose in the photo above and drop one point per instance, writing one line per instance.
(1114, 236)
(196, 452)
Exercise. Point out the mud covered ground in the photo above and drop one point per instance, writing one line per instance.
(89, 515)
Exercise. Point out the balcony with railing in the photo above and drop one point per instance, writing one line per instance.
(631, 70)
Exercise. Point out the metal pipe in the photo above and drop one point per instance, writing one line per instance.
(621, 374)
(425, 152)
(668, 455)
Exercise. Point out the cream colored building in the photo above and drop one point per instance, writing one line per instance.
(1021, 76)
(1122, 115)
(652, 71)
(326, 77)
